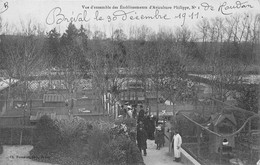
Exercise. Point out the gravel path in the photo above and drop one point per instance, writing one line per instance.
(18, 155)
(158, 157)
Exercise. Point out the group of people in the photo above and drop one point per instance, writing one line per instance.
(128, 111)
(147, 129)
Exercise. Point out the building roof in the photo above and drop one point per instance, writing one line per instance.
(219, 117)
(53, 98)
(4, 82)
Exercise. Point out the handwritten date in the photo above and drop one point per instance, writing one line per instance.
(132, 15)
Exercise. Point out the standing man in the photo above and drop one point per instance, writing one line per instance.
(141, 139)
(140, 116)
(177, 141)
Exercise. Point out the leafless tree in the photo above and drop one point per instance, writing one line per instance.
(229, 46)
(23, 60)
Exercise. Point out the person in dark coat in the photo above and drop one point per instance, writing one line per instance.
(151, 128)
(141, 114)
(159, 137)
(141, 139)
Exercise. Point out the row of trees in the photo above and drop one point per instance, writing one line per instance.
(222, 47)
(228, 49)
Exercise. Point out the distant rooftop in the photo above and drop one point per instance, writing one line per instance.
(4, 82)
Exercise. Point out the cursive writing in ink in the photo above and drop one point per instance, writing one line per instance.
(4, 7)
(132, 15)
(207, 6)
(55, 16)
(97, 17)
(226, 9)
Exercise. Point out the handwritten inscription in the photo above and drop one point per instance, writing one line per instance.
(132, 15)
(56, 16)
(136, 13)
(4, 6)
(227, 9)
(207, 6)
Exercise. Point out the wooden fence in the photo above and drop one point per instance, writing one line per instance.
(14, 120)
(17, 135)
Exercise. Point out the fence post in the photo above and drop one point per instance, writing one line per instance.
(11, 136)
(31, 136)
(21, 137)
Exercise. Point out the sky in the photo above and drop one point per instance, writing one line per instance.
(112, 14)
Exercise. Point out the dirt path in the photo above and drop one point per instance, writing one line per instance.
(158, 157)
(18, 155)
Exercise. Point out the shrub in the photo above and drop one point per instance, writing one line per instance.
(102, 125)
(78, 142)
(117, 156)
(130, 122)
(71, 129)
(96, 141)
(47, 134)
(124, 152)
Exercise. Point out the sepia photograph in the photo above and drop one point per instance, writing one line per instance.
(128, 82)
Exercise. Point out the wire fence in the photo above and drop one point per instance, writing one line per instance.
(222, 135)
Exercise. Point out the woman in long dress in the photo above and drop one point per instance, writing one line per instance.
(141, 139)
(177, 141)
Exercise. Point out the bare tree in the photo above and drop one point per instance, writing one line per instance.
(173, 56)
(23, 60)
(228, 44)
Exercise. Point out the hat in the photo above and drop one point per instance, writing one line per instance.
(225, 142)
(129, 106)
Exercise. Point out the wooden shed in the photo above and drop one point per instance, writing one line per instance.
(53, 100)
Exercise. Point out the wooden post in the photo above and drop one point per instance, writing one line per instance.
(21, 137)
(11, 136)
(31, 136)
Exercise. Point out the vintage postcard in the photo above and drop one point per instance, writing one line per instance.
(107, 82)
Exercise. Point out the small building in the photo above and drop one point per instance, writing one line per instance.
(53, 100)
(222, 123)
(5, 84)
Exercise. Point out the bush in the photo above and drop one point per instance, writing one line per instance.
(130, 122)
(118, 156)
(47, 133)
(124, 152)
(75, 141)
(67, 137)
(71, 130)
(96, 141)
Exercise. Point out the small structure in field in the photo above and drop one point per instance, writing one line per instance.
(222, 123)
